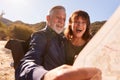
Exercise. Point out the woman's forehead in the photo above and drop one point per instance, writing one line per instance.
(78, 17)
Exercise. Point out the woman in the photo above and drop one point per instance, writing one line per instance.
(77, 34)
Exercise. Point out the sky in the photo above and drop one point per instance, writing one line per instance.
(34, 11)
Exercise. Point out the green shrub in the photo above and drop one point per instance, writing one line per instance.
(3, 31)
(20, 32)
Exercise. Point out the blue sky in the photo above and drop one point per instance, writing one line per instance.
(34, 11)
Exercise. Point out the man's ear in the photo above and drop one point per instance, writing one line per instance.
(48, 18)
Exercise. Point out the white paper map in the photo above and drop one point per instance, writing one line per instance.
(103, 51)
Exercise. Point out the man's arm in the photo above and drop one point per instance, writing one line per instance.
(66, 72)
(30, 67)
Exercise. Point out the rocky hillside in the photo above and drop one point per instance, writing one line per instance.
(6, 21)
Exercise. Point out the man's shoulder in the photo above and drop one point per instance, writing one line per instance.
(43, 33)
(40, 32)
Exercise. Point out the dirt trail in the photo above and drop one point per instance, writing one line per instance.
(6, 71)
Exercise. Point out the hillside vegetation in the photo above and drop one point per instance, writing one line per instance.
(22, 31)
(18, 30)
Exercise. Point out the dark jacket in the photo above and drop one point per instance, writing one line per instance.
(45, 53)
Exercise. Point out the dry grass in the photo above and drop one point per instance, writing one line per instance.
(6, 71)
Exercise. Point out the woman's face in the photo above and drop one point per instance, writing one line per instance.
(78, 27)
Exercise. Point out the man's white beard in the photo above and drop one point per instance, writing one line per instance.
(58, 30)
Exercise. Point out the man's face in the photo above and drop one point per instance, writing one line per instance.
(56, 20)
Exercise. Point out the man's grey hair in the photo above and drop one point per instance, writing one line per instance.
(56, 7)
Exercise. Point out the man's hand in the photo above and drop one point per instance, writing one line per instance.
(66, 72)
